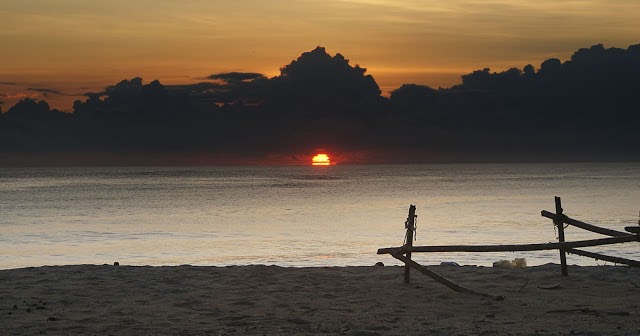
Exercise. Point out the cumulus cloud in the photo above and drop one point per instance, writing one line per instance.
(321, 100)
(316, 80)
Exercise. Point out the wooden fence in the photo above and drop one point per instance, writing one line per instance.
(403, 253)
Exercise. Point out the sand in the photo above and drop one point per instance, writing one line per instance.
(271, 300)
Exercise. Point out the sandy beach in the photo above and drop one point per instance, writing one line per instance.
(271, 300)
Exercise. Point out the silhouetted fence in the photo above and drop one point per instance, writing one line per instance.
(403, 253)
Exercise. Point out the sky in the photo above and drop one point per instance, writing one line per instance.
(57, 50)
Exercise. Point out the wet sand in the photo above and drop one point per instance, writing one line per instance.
(271, 300)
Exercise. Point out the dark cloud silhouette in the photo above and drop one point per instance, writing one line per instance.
(319, 99)
(318, 84)
(584, 105)
(46, 92)
(8, 83)
(237, 76)
(93, 94)
(580, 109)
(325, 79)
(33, 125)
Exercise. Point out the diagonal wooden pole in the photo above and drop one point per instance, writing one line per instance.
(442, 280)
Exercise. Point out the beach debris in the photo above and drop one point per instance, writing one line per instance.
(515, 263)
(449, 263)
(633, 283)
(379, 263)
(28, 310)
(51, 318)
(550, 286)
(523, 286)
(15, 307)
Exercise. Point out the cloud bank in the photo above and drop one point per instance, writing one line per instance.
(580, 109)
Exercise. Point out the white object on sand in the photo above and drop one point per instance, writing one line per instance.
(515, 263)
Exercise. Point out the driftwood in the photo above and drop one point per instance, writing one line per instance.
(439, 278)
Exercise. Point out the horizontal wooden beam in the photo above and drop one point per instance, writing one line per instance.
(512, 247)
(584, 226)
(633, 229)
(599, 256)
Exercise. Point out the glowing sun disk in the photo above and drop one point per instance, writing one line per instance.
(321, 160)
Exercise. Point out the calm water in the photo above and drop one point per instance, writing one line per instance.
(301, 216)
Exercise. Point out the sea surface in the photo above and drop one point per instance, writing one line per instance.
(304, 215)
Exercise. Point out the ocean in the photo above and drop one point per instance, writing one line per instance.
(303, 215)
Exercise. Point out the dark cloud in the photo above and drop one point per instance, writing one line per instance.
(93, 94)
(32, 125)
(317, 82)
(200, 90)
(46, 92)
(582, 108)
(236, 76)
(8, 83)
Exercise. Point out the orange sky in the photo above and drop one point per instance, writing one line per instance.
(75, 46)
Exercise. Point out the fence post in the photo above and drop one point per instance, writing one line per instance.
(408, 244)
(558, 222)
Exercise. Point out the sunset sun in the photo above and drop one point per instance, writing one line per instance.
(321, 160)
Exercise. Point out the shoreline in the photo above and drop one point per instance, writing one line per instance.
(351, 300)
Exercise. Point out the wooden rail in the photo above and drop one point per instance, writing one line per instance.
(599, 256)
(510, 247)
(403, 253)
(585, 226)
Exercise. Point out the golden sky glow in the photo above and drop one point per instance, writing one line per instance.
(74, 46)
